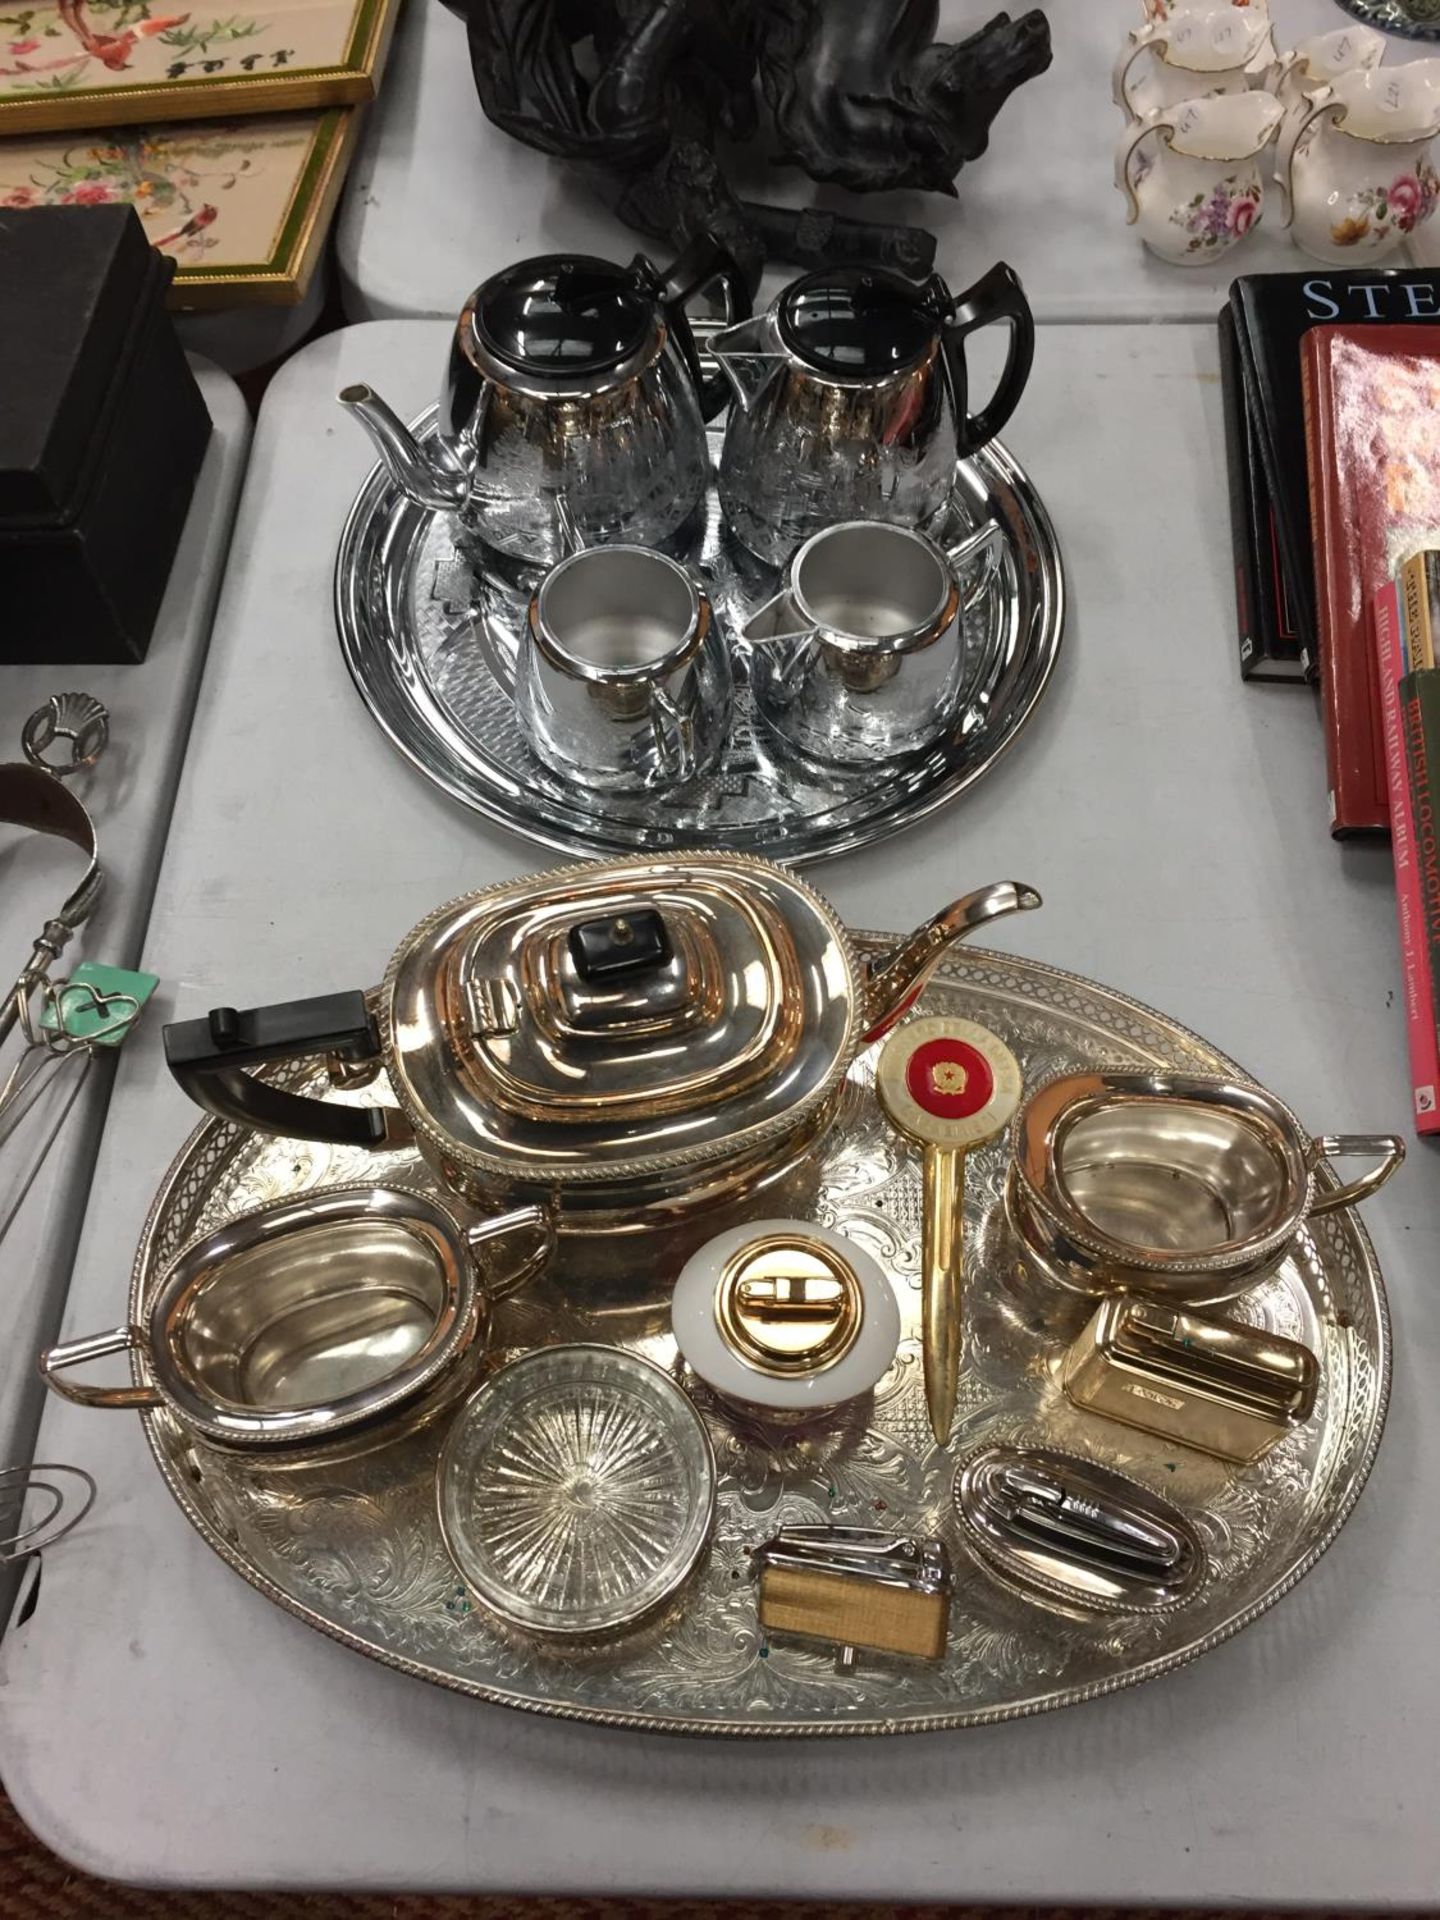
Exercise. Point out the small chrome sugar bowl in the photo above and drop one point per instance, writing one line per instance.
(785, 1319)
(1183, 1186)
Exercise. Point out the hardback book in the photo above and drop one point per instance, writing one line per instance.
(1273, 312)
(1416, 972)
(1370, 398)
(1420, 733)
(242, 207)
(1264, 609)
(99, 63)
(1418, 587)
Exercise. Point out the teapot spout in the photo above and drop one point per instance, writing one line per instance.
(435, 480)
(749, 354)
(893, 981)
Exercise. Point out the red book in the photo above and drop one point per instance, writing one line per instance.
(1409, 903)
(1372, 438)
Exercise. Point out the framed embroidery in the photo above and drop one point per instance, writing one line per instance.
(242, 207)
(87, 63)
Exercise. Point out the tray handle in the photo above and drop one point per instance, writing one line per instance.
(97, 1346)
(208, 1058)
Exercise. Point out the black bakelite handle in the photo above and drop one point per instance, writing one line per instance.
(704, 262)
(997, 296)
(208, 1059)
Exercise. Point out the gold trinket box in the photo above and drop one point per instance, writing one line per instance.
(1205, 1382)
(785, 1319)
(788, 1304)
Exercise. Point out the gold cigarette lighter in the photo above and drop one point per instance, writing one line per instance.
(1205, 1382)
(856, 1587)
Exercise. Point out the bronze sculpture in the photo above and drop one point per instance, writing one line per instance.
(651, 97)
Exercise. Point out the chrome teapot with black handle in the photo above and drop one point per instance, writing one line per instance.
(628, 1042)
(852, 400)
(573, 381)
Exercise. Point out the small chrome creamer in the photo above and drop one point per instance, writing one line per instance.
(1208, 1383)
(856, 1587)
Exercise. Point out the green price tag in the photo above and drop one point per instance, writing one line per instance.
(99, 1005)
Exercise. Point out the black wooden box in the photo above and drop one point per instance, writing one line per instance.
(102, 431)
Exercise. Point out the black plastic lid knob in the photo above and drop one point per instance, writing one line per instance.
(622, 944)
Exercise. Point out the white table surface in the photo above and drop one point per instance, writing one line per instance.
(129, 795)
(438, 198)
(161, 1721)
(240, 339)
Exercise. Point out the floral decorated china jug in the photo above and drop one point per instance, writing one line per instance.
(1200, 47)
(1354, 167)
(1298, 76)
(1196, 188)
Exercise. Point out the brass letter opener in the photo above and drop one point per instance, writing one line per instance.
(950, 1087)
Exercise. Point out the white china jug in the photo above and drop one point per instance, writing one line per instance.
(1200, 47)
(1354, 167)
(1162, 9)
(1297, 76)
(1197, 188)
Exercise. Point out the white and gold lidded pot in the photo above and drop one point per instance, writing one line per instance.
(785, 1318)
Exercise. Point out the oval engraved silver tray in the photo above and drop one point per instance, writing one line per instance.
(430, 641)
(354, 1546)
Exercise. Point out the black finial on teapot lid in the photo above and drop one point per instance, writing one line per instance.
(857, 322)
(564, 316)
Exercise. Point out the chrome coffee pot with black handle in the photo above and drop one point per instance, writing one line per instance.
(853, 400)
(569, 379)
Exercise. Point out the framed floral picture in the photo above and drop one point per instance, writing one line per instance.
(242, 207)
(86, 63)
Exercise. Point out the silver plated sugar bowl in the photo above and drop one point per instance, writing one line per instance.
(628, 1042)
(1187, 1187)
(574, 379)
(316, 1323)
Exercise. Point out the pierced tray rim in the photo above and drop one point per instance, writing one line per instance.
(440, 759)
(157, 1423)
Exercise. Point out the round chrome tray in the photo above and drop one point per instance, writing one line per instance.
(430, 641)
(355, 1547)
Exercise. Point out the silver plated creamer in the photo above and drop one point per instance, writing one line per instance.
(431, 643)
(357, 1552)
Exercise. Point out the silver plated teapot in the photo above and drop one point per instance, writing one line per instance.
(627, 1042)
(573, 381)
(853, 400)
